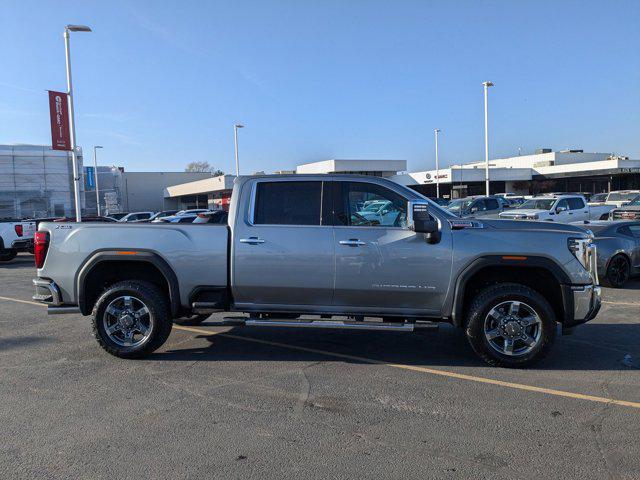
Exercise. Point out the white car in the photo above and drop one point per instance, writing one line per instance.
(137, 216)
(15, 236)
(561, 208)
(620, 197)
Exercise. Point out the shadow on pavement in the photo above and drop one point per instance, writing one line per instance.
(603, 347)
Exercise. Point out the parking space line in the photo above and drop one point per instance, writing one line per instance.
(37, 304)
(431, 371)
(415, 368)
(630, 304)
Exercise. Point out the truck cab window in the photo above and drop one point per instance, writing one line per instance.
(576, 203)
(370, 205)
(287, 203)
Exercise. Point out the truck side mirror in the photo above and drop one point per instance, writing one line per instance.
(422, 221)
(561, 209)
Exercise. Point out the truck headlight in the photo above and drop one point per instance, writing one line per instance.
(585, 251)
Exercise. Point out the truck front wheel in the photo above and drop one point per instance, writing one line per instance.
(131, 319)
(510, 325)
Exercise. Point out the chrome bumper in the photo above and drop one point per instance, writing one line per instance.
(47, 292)
(586, 302)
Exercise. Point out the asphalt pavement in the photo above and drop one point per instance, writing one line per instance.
(224, 402)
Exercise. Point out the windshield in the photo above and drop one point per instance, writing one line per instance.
(538, 204)
(621, 197)
(459, 205)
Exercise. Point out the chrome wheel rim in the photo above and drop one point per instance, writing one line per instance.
(127, 321)
(513, 328)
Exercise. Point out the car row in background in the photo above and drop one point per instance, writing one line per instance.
(618, 247)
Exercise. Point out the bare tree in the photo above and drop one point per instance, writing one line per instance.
(203, 167)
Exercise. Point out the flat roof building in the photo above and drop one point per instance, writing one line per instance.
(547, 171)
(379, 168)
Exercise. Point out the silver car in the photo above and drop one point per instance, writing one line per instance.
(477, 207)
(618, 245)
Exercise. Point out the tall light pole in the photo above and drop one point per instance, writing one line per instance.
(486, 134)
(436, 131)
(72, 123)
(235, 139)
(95, 169)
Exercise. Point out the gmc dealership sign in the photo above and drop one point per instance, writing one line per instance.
(59, 113)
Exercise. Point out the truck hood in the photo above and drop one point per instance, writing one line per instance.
(629, 208)
(546, 226)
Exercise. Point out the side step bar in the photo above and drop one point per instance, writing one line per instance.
(388, 326)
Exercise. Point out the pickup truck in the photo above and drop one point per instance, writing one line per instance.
(298, 252)
(15, 236)
(551, 208)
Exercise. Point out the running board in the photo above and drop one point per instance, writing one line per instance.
(392, 327)
(206, 307)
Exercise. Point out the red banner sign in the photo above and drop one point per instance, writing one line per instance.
(59, 112)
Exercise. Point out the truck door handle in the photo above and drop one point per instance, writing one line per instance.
(352, 242)
(252, 240)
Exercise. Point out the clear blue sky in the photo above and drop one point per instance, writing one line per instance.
(160, 84)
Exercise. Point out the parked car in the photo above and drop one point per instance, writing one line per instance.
(216, 216)
(295, 245)
(618, 245)
(159, 215)
(15, 236)
(618, 198)
(137, 216)
(192, 211)
(598, 198)
(186, 218)
(118, 215)
(631, 211)
(477, 207)
(562, 208)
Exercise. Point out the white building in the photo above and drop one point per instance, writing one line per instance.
(544, 171)
(378, 168)
(36, 181)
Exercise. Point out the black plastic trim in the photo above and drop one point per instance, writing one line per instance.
(141, 256)
(498, 261)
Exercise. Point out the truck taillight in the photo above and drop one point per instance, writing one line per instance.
(40, 247)
(18, 229)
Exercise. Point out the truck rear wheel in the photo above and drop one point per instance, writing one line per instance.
(131, 319)
(510, 325)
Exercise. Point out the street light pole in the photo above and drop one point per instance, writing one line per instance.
(235, 139)
(72, 123)
(95, 170)
(486, 134)
(436, 131)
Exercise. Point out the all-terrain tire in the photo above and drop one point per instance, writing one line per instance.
(488, 298)
(159, 318)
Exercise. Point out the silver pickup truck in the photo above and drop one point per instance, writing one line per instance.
(305, 251)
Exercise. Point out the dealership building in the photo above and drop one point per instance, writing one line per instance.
(542, 172)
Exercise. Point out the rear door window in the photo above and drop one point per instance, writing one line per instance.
(576, 203)
(288, 203)
(492, 204)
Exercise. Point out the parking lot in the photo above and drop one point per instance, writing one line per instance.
(223, 402)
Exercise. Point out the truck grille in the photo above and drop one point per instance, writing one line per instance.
(626, 215)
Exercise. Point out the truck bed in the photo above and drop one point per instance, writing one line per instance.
(197, 253)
